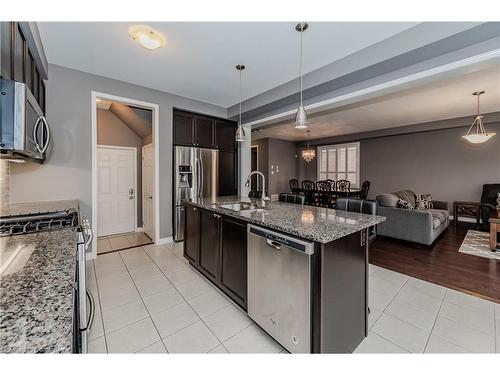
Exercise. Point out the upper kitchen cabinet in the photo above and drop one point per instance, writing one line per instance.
(22, 58)
(191, 129)
(225, 133)
(183, 128)
(204, 132)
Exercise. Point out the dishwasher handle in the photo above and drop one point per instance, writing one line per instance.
(273, 244)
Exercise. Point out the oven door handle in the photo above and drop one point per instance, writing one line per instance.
(90, 320)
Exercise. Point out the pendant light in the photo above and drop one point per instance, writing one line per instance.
(301, 116)
(240, 133)
(308, 154)
(480, 135)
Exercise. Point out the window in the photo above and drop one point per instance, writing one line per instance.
(339, 162)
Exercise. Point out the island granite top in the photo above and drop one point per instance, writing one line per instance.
(317, 224)
(37, 273)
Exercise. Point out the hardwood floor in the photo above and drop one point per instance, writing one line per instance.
(441, 263)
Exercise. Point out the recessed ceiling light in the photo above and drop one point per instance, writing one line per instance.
(146, 37)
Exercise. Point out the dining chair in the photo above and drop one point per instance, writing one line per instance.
(365, 187)
(294, 185)
(309, 188)
(333, 195)
(343, 186)
(323, 193)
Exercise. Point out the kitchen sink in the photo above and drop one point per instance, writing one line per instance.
(242, 206)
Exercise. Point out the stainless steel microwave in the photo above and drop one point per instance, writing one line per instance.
(25, 130)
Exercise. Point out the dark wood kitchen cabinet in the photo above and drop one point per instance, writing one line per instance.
(17, 52)
(209, 245)
(191, 236)
(225, 133)
(233, 259)
(216, 245)
(183, 128)
(193, 129)
(227, 173)
(203, 132)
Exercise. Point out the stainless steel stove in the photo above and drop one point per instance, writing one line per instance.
(37, 222)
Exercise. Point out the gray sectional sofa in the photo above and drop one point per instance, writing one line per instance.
(420, 226)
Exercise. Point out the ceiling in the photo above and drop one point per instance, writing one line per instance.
(198, 59)
(439, 100)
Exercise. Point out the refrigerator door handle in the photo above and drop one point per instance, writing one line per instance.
(201, 176)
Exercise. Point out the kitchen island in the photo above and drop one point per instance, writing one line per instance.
(332, 287)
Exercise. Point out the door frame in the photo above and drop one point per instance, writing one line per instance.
(142, 186)
(155, 108)
(256, 147)
(134, 149)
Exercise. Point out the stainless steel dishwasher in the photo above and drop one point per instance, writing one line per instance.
(279, 287)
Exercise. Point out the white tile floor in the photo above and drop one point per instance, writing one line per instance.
(122, 241)
(149, 300)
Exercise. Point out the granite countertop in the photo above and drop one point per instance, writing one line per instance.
(37, 273)
(318, 224)
(22, 208)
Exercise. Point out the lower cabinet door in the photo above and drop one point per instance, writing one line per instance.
(209, 245)
(233, 272)
(191, 234)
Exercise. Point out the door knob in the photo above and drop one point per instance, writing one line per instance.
(131, 191)
(131, 197)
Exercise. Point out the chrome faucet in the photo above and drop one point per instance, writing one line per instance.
(247, 184)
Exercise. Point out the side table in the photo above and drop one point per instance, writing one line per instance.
(466, 209)
(494, 229)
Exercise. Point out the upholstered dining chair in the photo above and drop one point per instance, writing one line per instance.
(294, 185)
(365, 187)
(257, 194)
(309, 190)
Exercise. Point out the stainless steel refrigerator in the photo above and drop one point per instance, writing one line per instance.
(196, 175)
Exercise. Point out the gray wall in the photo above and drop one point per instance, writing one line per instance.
(262, 155)
(112, 131)
(305, 170)
(67, 173)
(282, 159)
(277, 152)
(438, 162)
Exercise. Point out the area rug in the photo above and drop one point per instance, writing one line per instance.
(478, 243)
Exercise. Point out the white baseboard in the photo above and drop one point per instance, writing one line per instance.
(165, 240)
(139, 229)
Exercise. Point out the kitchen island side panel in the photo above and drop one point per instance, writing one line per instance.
(344, 309)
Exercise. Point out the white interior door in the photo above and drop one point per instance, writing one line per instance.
(147, 190)
(116, 179)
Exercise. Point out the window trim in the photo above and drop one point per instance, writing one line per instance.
(336, 147)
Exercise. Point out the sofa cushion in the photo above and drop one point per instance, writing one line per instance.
(423, 201)
(387, 200)
(406, 195)
(438, 217)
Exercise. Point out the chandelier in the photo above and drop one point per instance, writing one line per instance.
(480, 135)
(308, 154)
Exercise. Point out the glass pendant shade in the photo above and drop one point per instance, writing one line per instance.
(480, 135)
(240, 134)
(301, 118)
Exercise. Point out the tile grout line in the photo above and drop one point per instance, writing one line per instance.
(100, 306)
(142, 300)
(393, 298)
(435, 319)
(186, 301)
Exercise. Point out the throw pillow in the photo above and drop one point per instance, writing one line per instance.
(423, 201)
(405, 204)
(406, 195)
(387, 200)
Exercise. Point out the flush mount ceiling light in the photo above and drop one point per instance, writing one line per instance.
(301, 116)
(240, 133)
(480, 135)
(308, 155)
(147, 37)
